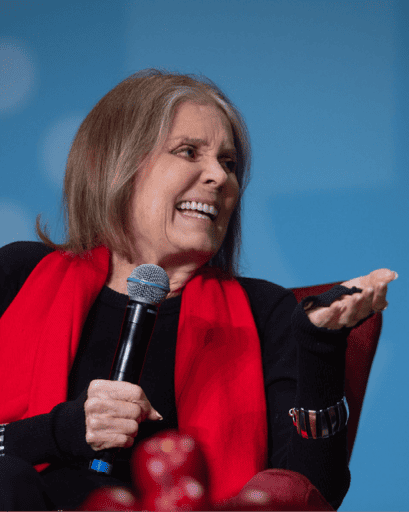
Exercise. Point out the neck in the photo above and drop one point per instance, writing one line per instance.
(121, 269)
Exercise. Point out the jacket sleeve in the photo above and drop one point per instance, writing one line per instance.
(56, 436)
(305, 367)
(60, 434)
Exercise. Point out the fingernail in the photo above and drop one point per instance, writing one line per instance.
(159, 416)
(396, 276)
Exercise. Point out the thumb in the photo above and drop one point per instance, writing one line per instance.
(154, 415)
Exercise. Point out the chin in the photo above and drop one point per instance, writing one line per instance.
(199, 255)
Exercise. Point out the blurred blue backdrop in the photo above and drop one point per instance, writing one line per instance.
(323, 87)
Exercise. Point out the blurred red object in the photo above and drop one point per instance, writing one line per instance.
(278, 489)
(170, 473)
(111, 498)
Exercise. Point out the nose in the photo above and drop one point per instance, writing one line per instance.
(214, 173)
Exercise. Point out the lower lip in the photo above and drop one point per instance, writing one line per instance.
(191, 215)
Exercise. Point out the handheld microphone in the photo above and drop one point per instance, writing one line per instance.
(147, 286)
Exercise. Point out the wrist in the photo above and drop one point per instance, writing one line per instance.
(2, 431)
(320, 424)
(319, 340)
(68, 425)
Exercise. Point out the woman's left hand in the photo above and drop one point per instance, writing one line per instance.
(348, 310)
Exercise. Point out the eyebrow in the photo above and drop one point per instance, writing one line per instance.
(201, 142)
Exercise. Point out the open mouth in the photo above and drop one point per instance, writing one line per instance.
(194, 214)
(199, 210)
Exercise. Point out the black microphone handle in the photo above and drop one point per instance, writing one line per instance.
(136, 332)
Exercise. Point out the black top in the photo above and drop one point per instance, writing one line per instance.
(303, 366)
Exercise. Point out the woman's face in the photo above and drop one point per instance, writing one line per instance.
(194, 170)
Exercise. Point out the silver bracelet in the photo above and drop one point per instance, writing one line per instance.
(2, 429)
(320, 424)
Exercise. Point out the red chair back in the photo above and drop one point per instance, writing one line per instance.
(362, 345)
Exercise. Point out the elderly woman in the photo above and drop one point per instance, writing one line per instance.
(156, 175)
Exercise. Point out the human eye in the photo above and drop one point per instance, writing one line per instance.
(188, 151)
(229, 163)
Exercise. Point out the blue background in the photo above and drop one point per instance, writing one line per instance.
(323, 87)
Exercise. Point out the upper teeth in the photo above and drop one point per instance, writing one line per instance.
(203, 207)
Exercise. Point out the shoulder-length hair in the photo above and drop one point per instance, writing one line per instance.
(115, 140)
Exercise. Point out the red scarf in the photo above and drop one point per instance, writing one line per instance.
(219, 385)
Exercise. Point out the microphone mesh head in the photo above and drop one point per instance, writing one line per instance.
(148, 283)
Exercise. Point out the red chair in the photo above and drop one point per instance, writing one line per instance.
(182, 485)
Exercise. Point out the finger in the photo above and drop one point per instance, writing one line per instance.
(112, 408)
(135, 394)
(379, 301)
(326, 316)
(105, 440)
(154, 415)
(366, 303)
(345, 312)
(371, 280)
(102, 432)
(145, 411)
(336, 311)
(109, 392)
(98, 424)
(144, 407)
(116, 390)
(358, 307)
(362, 305)
(382, 275)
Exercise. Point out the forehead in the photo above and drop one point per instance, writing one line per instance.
(208, 122)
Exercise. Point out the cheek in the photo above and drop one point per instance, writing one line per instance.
(233, 195)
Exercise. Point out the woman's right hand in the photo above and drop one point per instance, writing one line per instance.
(113, 411)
